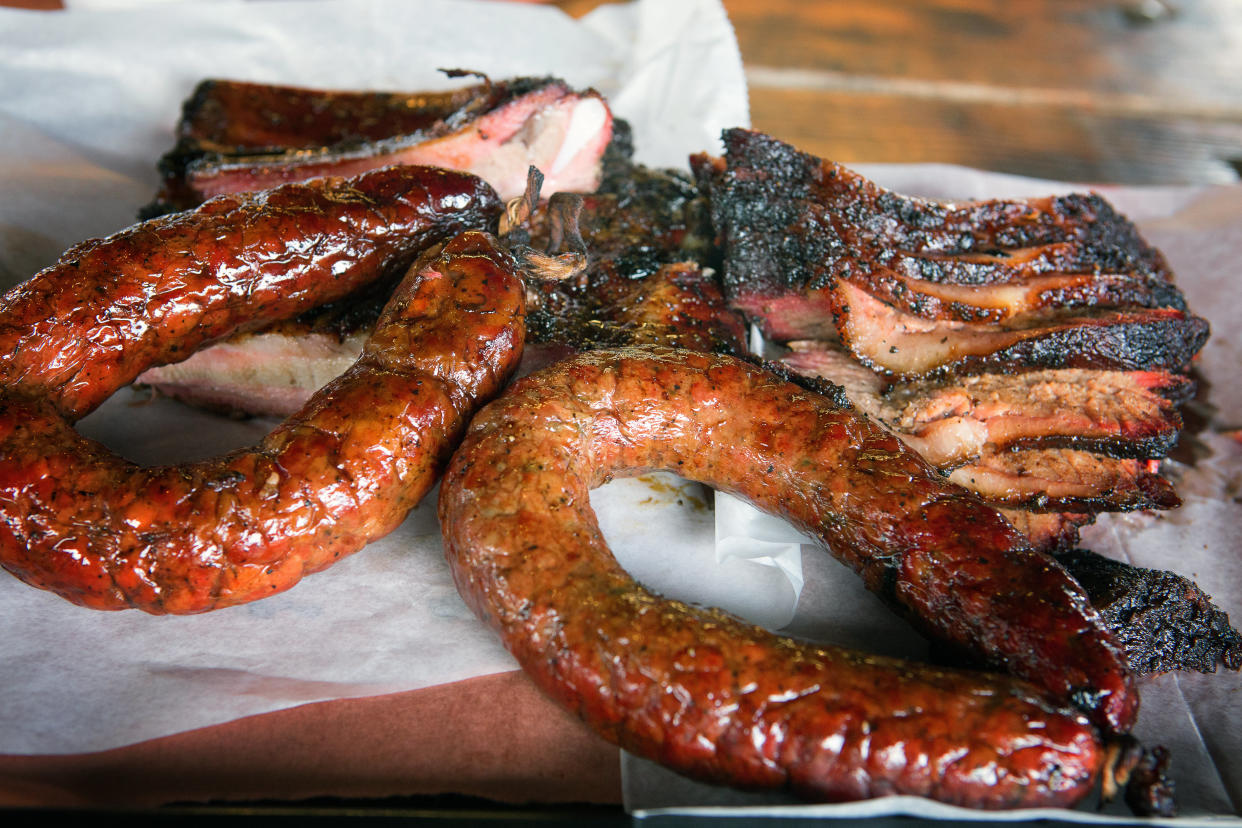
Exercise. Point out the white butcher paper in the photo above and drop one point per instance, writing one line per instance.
(88, 100)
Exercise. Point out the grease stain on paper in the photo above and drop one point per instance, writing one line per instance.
(664, 491)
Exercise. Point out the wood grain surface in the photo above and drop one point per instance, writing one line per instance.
(1121, 91)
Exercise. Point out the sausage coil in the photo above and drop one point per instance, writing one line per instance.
(724, 701)
(105, 533)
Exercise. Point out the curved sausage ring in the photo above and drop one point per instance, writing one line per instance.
(105, 533)
(723, 701)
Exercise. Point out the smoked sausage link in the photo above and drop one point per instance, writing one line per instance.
(724, 701)
(152, 294)
(105, 533)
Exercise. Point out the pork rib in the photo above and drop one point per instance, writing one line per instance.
(497, 131)
(228, 116)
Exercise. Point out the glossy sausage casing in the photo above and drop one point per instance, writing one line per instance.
(153, 293)
(728, 702)
(344, 470)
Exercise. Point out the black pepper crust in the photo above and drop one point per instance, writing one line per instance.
(1162, 620)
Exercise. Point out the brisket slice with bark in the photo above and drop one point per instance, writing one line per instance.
(1111, 339)
(1032, 349)
(952, 419)
(1067, 441)
(792, 221)
(1062, 480)
(915, 286)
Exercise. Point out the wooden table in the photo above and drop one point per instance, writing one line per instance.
(1124, 91)
(1121, 91)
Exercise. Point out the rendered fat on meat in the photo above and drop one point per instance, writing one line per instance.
(1066, 480)
(229, 116)
(953, 419)
(908, 346)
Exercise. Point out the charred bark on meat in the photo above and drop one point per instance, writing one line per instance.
(1162, 620)
(1002, 285)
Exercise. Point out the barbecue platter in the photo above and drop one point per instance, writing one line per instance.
(481, 286)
